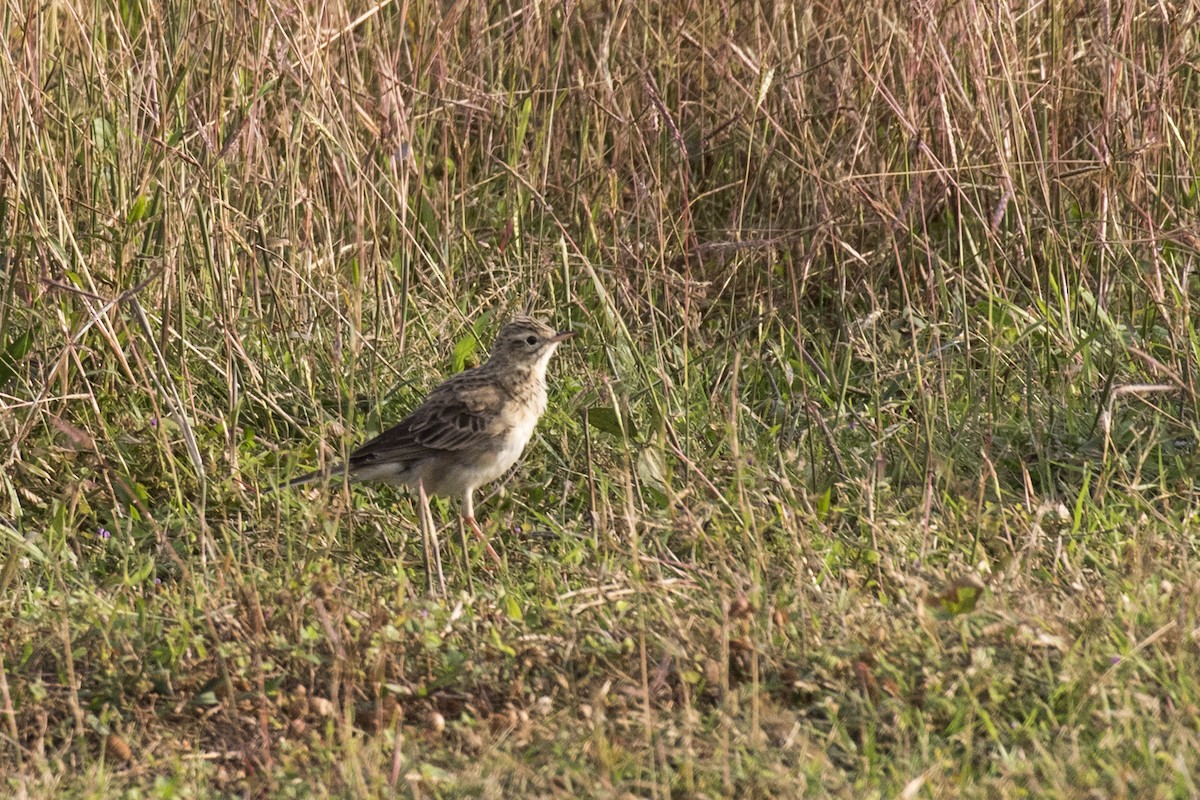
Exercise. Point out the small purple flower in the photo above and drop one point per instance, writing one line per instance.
(1114, 660)
(154, 422)
(158, 581)
(104, 534)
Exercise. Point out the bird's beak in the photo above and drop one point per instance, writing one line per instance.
(562, 336)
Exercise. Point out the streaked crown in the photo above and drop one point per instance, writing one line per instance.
(526, 341)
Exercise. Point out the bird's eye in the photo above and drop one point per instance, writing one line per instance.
(531, 340)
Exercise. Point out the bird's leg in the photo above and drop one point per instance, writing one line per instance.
(466, 557)
(469, 516)
(426, 561)
(481, 537)
(429, 542)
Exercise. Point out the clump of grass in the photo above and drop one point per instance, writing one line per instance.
(871, 474)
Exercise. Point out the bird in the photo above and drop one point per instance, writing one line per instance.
(469, 430)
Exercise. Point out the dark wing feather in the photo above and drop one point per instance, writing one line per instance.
(457, 415)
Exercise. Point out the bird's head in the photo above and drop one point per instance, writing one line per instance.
(527, 342)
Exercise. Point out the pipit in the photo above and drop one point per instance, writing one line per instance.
(470, 430)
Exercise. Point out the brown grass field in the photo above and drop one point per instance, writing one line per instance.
(872, 474)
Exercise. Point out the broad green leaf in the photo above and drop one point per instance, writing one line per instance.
(959, 599)
(513, 609)
(16, 350)
(464, 349)
(607, 420)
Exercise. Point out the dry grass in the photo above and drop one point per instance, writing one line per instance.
(872, 474)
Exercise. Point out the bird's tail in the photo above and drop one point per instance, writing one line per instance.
(311, 477)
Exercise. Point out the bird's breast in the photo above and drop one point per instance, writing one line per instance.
(492, 463)
(521, 422)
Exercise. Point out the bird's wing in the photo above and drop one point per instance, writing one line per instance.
(458, 415)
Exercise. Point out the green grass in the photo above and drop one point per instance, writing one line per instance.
(871, 474)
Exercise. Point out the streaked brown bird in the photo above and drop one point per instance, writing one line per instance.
(470, 429)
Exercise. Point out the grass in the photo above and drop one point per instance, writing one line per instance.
(872, 473)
